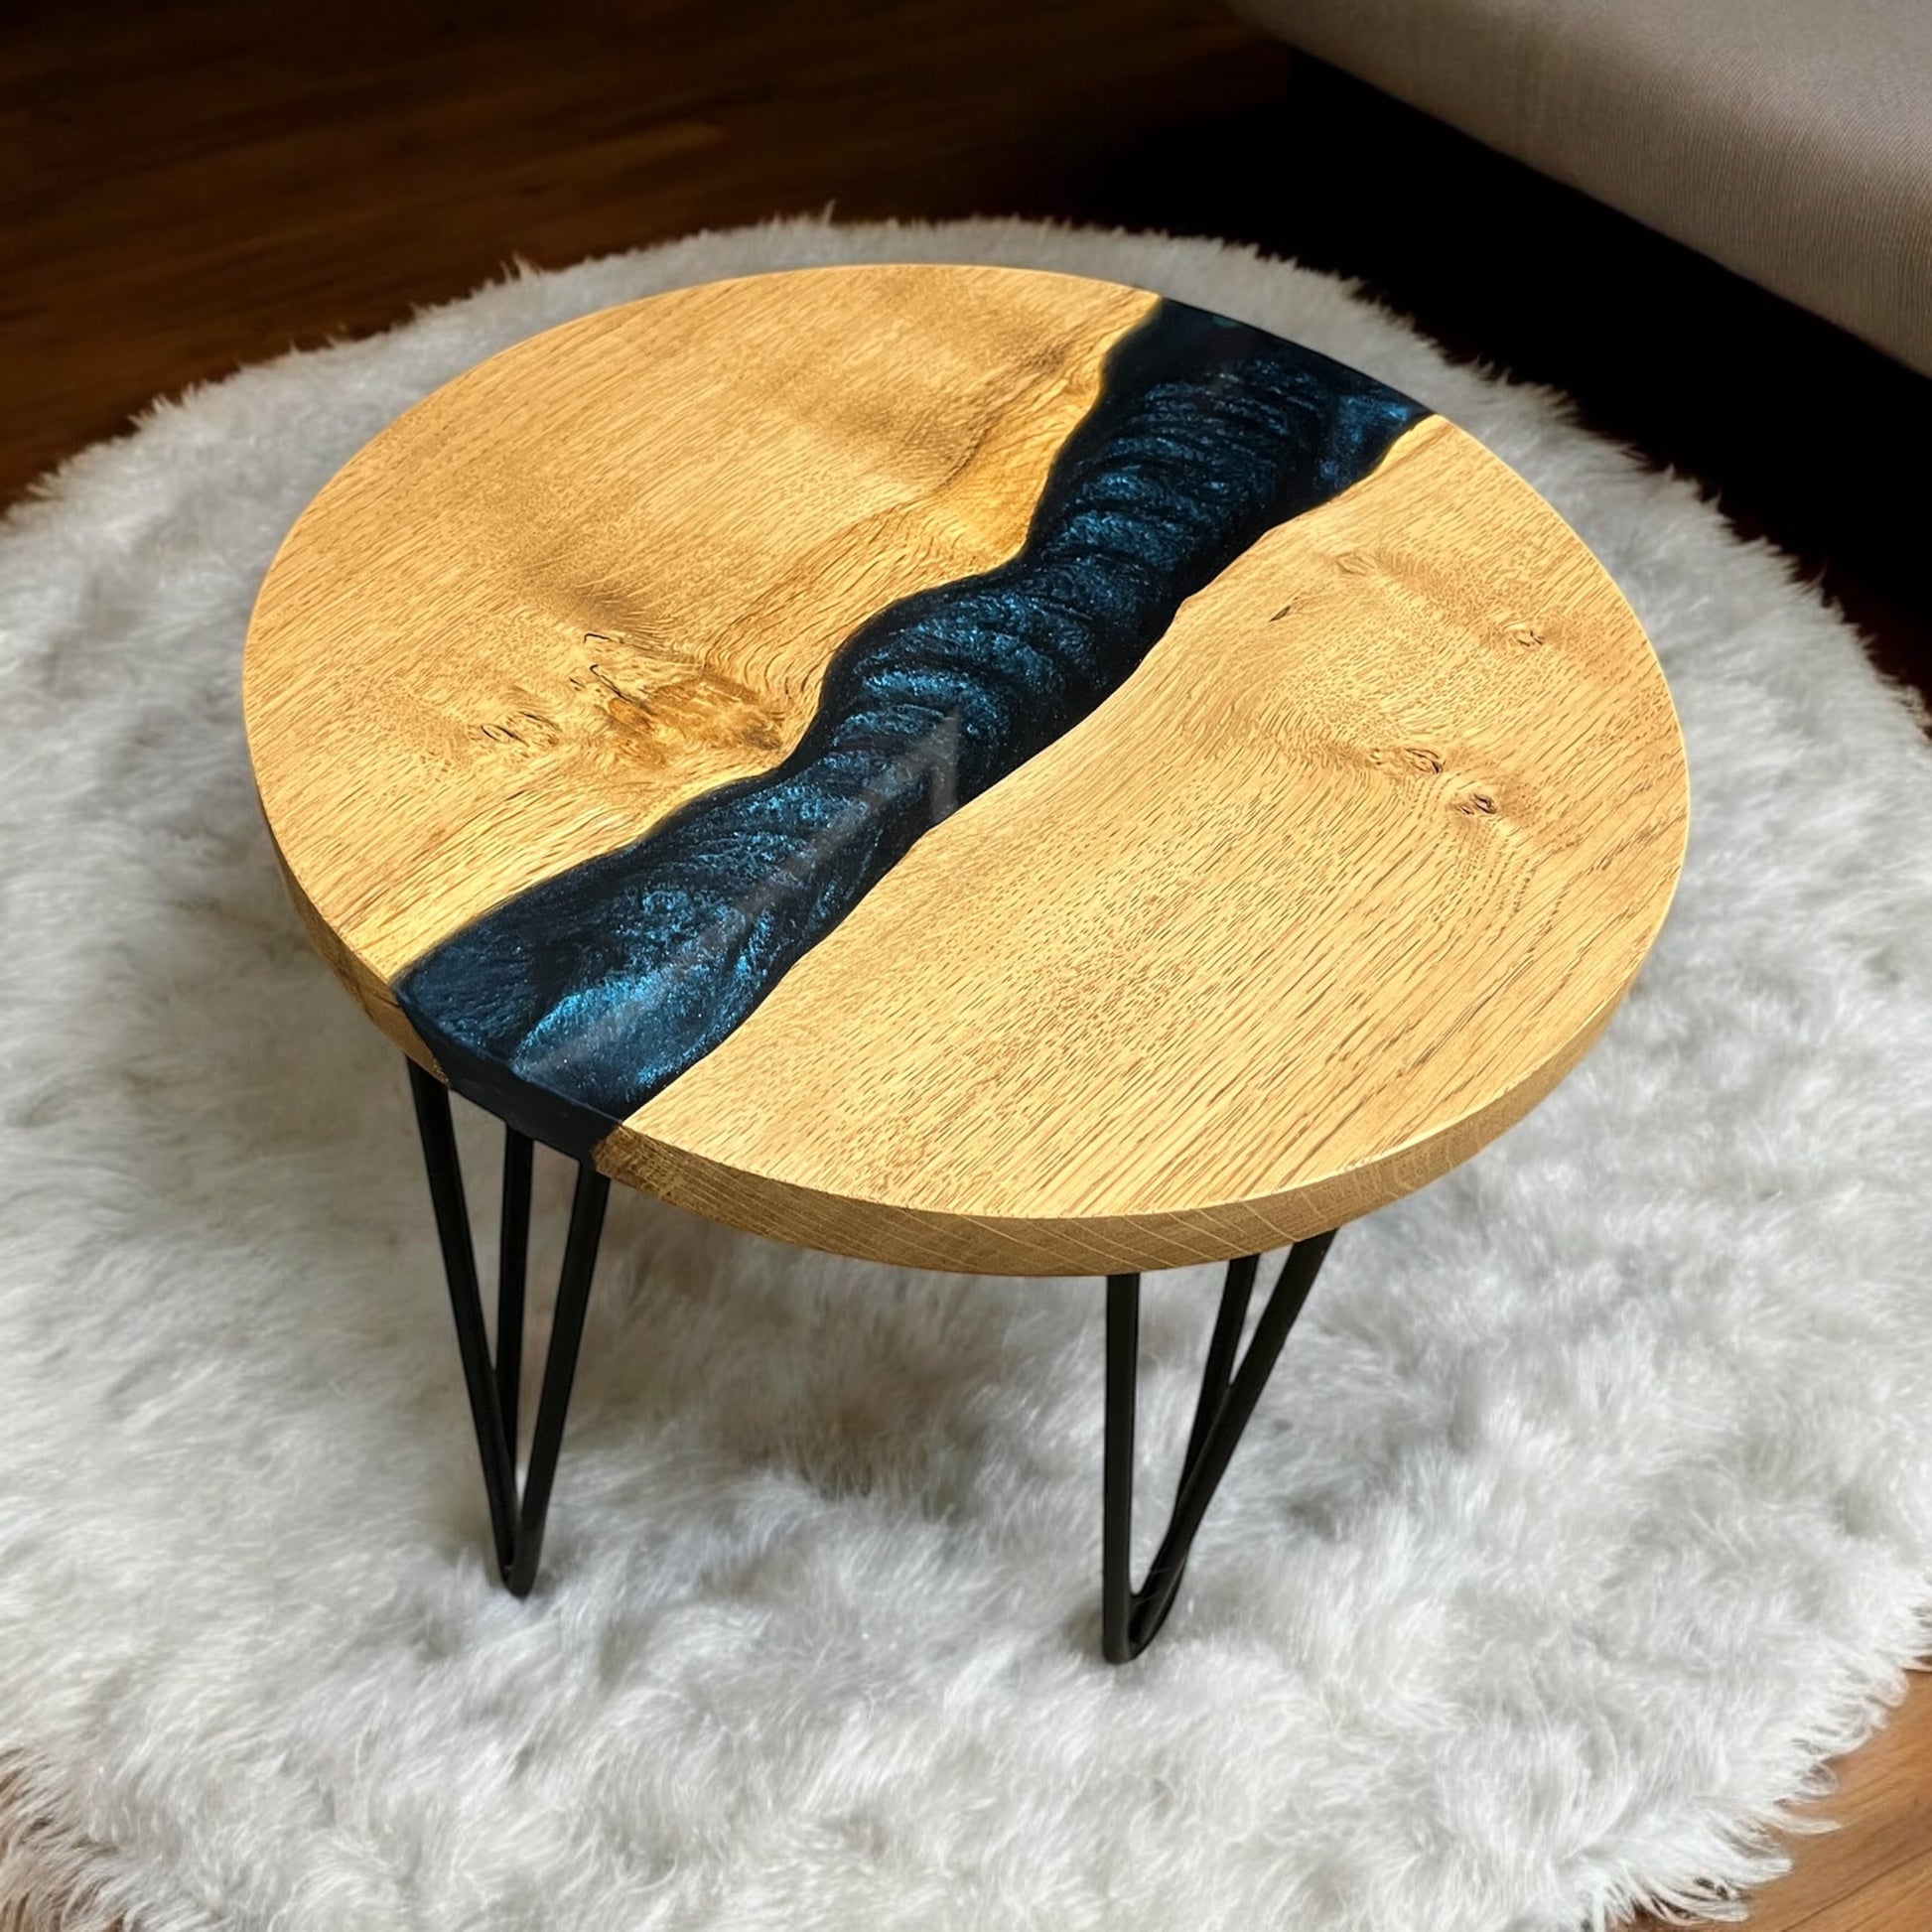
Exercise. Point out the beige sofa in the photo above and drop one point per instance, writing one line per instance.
(1790, 139)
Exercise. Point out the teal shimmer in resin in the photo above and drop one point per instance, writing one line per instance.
(565, 1008)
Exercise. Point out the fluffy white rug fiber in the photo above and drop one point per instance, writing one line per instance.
(1590, 1509)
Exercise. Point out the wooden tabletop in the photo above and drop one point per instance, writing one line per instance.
(966, 767)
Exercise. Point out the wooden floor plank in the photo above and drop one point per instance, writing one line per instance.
(1898, 1898)
(1870, 1873)
(188, 190)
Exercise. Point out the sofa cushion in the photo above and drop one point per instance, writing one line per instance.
(1790, 139)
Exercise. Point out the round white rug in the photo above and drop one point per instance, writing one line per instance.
(1591, 1507)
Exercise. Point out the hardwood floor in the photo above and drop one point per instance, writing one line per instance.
(185, 187)
(190, 190)
(1875, 1875)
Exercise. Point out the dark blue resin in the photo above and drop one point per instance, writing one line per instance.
(565, 1008)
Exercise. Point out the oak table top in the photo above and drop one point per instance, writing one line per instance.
(965, 767)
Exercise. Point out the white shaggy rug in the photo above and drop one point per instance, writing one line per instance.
(1589, 1510)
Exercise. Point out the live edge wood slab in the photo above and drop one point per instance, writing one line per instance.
(965, 768)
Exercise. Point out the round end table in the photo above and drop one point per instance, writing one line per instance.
(958, 766)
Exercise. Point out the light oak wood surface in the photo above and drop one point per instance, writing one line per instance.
(1344, 877)
(603, 573)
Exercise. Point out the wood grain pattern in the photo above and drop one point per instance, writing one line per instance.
(1335, 887)
(603, 572)
(564, 1009)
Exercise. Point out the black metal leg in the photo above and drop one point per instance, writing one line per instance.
(512, 1269)
(516, 1524)
(1131, 1618)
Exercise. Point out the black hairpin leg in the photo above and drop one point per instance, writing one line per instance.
(516, 1524)
(1131, 1618)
